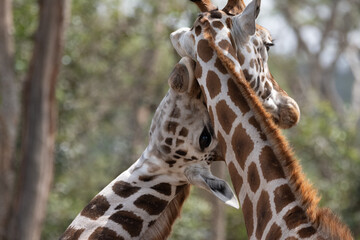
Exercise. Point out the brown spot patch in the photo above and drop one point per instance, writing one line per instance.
(204, 94)
(270, 165)
(248, 49)
(242, 145)
(231, 40)
(224, 44)
(183, 132)
(229, 23)
(257, 84)
(291, 238)
(104, 233)
(211, 114)
(256, 43)
(129, 221)
(256, 125)
(222, 143)
(179, 142)
(181, 152)
(165, 149)
(218, 24)
(163, 188)
(263, 213)
(241, 58)
(247, 209)
(172, 162)
(252, 63)
(236, 97)
(225, 115)
(151, 204)
(215, 14)
(168, 141)
(247, 75)
(72, 234)
(295, 217)
(198, 30)
(198, 71)
(274, 232)
(171, 127)
(146, 178)
(306, 232)
(220, 66)
(118, 207)
(205, 52)
(124, 189)
(236, 179)
(253, 177)
(213, 84)
(252, 84)
(282, 197)
(96, 208)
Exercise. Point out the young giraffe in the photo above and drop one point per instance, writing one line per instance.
(277, 200)
(252, 56)
(144, 201)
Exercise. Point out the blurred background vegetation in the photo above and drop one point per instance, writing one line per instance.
(114, 73)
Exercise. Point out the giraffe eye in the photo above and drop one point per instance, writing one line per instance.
(268, 45)
(205, 139)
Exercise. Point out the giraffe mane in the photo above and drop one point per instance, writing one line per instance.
(322, 218)
(161, 229)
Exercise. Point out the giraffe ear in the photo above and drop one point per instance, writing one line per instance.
(182, 76)
(244, 23)
(183, 42)
(200, 175)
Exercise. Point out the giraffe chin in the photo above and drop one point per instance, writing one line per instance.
(199, 175)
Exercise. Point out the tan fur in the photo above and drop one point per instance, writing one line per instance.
(324, 220)
(204, 5)
(234, 7)
(162, 227)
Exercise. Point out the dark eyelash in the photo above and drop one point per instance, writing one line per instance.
(268, 45)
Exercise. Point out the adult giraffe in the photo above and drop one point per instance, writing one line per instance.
(277, 200)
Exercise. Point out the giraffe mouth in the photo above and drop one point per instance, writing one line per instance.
(201, 176)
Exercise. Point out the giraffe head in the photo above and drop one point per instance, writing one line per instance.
(235, 32)
(182, 137)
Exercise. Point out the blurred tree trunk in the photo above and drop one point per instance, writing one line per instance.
(9, 111)
(218, 219)
(38, 123)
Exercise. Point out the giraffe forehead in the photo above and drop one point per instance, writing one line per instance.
(177, 126)
(263, 32)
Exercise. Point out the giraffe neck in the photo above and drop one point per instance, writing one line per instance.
(277, 200)
(139, 202)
